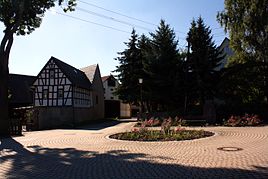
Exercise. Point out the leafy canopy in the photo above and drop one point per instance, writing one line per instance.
(247, 24)
(24, 16)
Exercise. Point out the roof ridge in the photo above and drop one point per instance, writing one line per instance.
(75, 75)
(22, 75)
(89, 66)
(54, 58)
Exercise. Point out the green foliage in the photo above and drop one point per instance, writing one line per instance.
(20, 17)
(129, 71)
(204, 57)
(163, 66)
(242, 83)
(247, 24)
(155, 60)
(23, 17)
(145, 48)
(155, 135)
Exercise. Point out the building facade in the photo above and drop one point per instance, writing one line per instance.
(227, 51)
(64, 96)
(114, 107)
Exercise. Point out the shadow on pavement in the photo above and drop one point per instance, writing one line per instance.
(104, 124)
(72, 163)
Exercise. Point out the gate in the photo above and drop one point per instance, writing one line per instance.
(15, 126)
(112, 108)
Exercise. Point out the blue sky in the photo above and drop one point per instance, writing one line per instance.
(82, 43)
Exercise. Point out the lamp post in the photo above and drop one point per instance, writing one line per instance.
(140, 82)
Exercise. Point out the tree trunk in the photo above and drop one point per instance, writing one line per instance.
(5, 48)
(4, 122)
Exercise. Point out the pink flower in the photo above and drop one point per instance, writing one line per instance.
(179, 129)
(135, 130)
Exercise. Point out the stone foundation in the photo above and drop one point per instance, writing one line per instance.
(62, 117)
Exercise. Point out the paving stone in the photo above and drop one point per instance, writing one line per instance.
(87, 153)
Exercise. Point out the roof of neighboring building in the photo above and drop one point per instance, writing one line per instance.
(104, 78)
(20, 89)
(223, 42)
(76, 76)
(90, 71)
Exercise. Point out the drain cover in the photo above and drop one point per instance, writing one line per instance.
(230, 149)
(70, 134)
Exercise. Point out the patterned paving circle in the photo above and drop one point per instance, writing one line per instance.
(87, 153)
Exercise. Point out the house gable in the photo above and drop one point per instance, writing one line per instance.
(110, 85)
(52, 87)
(93, 74)
(59, 84)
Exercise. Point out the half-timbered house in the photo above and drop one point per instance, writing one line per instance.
(63, 96)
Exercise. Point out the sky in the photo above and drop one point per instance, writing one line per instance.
(97, 30)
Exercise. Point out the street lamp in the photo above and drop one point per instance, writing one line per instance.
(140, 82)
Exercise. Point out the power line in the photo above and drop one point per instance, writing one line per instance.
(91, 22)
(117, 20)
(90, 4)
(109, 27)
(130, 17)
(111, 18)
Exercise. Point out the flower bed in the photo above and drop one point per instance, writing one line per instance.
(246, 120)
(177, 121)
(155, 122)
(177, 134)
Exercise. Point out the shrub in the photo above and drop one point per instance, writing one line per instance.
(151, 122)
(166, 125)
(155, 122)
(246, 120)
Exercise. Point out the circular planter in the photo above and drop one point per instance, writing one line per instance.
(156, 135)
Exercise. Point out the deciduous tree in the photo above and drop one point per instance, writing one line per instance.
(20, 17)
(247, 24)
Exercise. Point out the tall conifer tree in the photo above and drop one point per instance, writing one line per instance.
(161, 65)
(129, 71)
(204, 57)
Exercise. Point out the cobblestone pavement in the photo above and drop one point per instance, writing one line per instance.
(89, 153)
